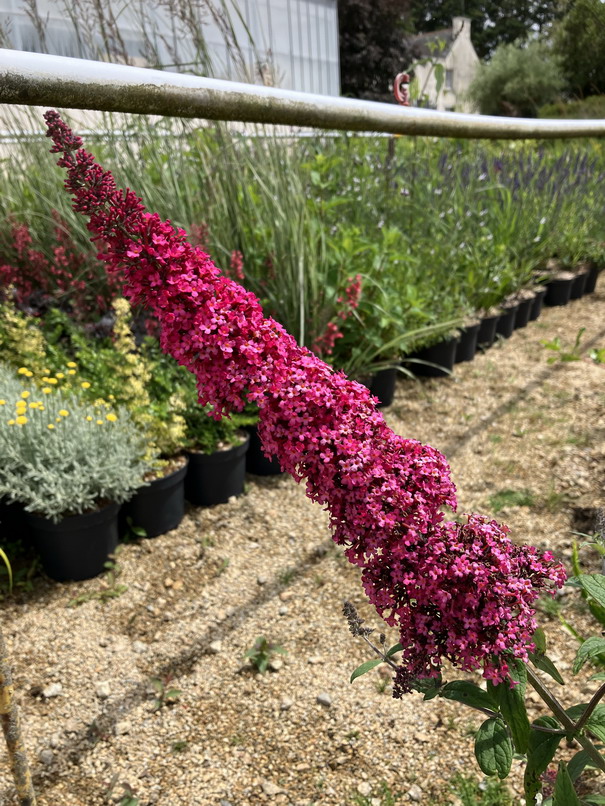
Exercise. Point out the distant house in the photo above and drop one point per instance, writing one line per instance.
(451, 47)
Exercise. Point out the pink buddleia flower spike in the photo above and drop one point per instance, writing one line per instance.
(462, 592)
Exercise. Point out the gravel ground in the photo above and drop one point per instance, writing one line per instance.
(263, 565)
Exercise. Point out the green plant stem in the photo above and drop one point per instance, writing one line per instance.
(560, 713)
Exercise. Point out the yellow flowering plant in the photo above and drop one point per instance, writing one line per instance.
(60, 456)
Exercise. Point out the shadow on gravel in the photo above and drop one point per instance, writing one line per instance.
(474, 430)
(102, 726)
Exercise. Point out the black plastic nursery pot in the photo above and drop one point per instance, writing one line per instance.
(212, 478)
(487, 330)
(506, 321)
(578, 285)
(78, 546)
(558, 291)
(523, 312)
(256, 461)
(13, 523)
(157, 508)
(441, 355)
(537, 303)
(382, 385)
(591, 279)
(467, 343)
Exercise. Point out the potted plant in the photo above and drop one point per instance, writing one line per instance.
(217, 455)
(71, 465)
(132, 372)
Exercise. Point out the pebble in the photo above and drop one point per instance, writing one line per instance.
(46, 757)
(103, 689)
(215, 647)
(415, 793)
(261, 579)
(270, 789)
(324, 699)
(283, 610)
(275, 664)
(364, 789)
(123, 727)
(52, 690)
(55, 740)
(286, 704)
(139, 646)
(315, 660)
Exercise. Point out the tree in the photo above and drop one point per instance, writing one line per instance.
(579, 40)
(494, 22)
(518, 80)
(373, 46)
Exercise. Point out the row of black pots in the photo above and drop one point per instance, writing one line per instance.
(438, 360)
(79, 546)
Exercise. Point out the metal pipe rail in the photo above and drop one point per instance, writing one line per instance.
(41, 80)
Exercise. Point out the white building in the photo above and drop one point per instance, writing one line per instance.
(290, 43)
(453, 49)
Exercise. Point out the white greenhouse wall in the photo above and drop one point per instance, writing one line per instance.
(299, 37)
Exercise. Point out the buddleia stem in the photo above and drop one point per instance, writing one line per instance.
(9, 716)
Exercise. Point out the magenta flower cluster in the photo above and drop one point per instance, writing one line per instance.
(462, 592)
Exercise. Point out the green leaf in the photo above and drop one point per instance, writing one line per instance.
(8, 568)
(468, 693)
(395, 648)
(546, 665)
(541, 749)
(597, 800)
(594, 585)
(366, 667)
(539, 639)
(564, 794)
(598, 676)
(429, 686)
(596, 721)
(577, 764)
(512, 703)
(493, 748)
(590, 649)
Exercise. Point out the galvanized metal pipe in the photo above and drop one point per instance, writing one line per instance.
(42, 80)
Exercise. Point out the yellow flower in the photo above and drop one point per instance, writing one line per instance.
(72, 364)
(11, 422)
(41, 407)
(22, 371)
(99, 422)
(28, 374)
(52, 381)
(47, 390)
(63, 412)
(25, 394)
(112, 397)
(51, 426)
(34, 404)
(71, 372)
(111, 417)
(89, 419)
(85, 385)
(21, 420)
(2, 402)
(59, 375)
(57, 419)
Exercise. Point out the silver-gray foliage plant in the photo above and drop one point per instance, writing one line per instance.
(76, 465)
